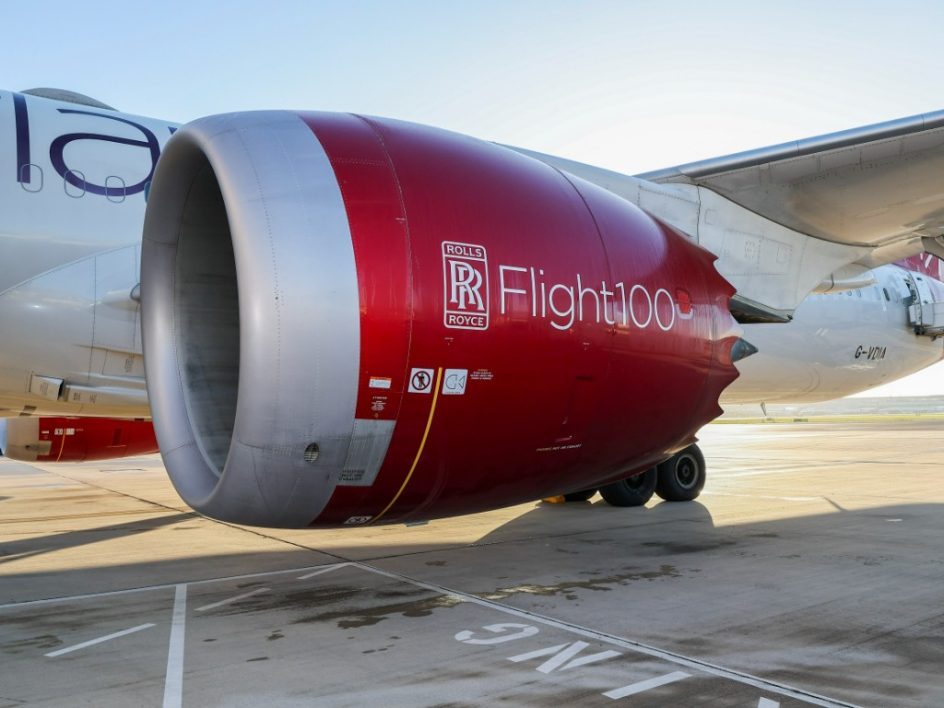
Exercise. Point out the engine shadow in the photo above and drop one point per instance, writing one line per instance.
(35, 546)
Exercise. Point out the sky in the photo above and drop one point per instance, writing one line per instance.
(631, 86)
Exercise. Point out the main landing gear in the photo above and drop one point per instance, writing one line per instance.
(680, 478)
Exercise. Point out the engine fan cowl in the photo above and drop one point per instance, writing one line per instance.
(351, 320)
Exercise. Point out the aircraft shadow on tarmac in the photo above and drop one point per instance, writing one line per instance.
(29, 547)
(832, 591)
(593, 534)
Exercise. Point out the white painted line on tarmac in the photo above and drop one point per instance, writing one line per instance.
(640, 686)
(214, 605)
(764, 685)
(92, 642)
(767, 703)
(752, 473)
(564, 656)
(174, 678)
(163, 586)
(761, 496)
(322, 571)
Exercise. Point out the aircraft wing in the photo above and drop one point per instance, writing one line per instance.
(804, 216)
(872, 186)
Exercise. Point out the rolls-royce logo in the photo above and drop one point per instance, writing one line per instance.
(465, 282)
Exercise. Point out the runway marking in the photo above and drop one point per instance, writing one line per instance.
(756, 473)
(640, 686)
(564, 656)
(175, 654)
(174, 678)
(214, 605)
(163, 586)
(760, 496)
(767, 703)
(467, 636)
(322, 571)
(764, 685)
(99, 640)
(175, 658)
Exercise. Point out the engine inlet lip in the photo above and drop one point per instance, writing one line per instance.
(291, 247)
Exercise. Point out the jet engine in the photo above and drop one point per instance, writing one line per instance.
(68, 439)
(352, 320)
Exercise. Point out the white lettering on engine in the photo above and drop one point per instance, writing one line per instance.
(525, 290)
(565, 304)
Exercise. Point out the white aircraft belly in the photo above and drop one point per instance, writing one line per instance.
(837, 345)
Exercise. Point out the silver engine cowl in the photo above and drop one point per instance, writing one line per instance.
(252, 388)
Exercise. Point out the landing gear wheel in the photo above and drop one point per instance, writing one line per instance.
(580, 496)
(682, 476)
(633, 491)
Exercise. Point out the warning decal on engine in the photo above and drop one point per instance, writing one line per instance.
(421, 381)
(454, 381)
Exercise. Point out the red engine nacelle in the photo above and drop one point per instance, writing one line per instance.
(44, 439)
(350, 320)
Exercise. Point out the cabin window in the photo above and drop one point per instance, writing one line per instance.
(73, 182)
(115, 189)
(31, 177)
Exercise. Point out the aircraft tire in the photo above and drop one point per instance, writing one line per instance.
(682, 476)
(581, 496)
(632, 491)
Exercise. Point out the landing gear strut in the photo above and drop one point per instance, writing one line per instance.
(582, 495)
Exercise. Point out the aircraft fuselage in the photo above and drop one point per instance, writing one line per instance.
(73, 184)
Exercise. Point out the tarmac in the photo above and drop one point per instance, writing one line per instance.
(809, 572)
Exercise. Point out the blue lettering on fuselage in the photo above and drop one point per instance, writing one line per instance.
(21, 118)
(73, 174)
(57, 157)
